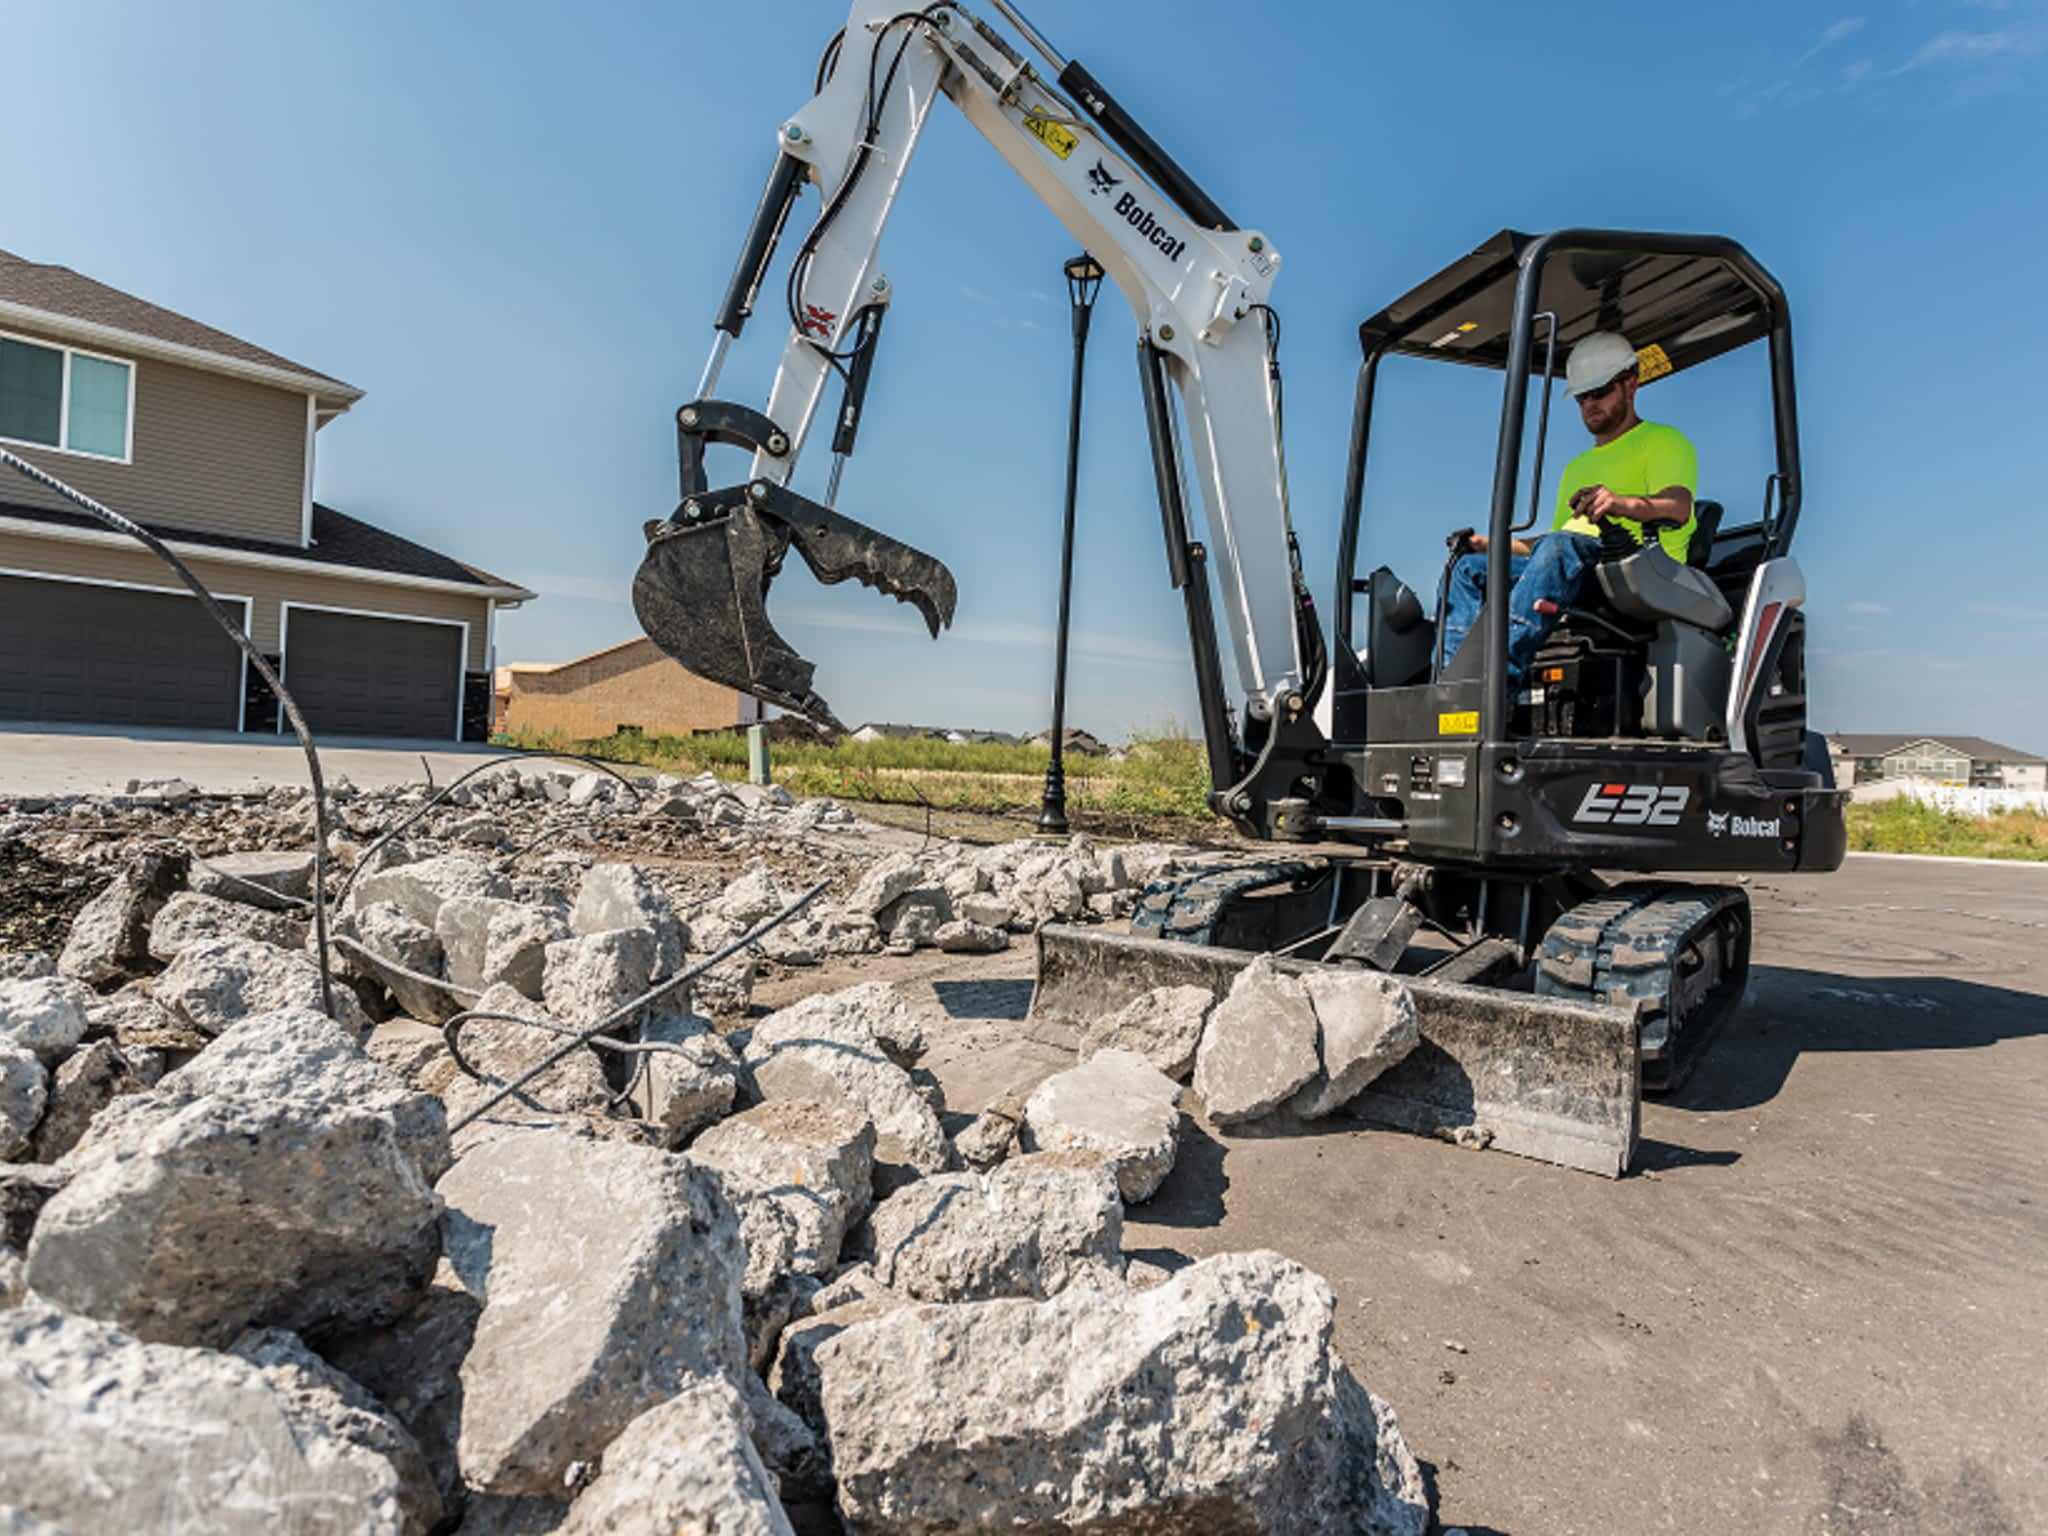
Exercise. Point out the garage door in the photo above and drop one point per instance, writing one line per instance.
(357, 676)
(74, 652)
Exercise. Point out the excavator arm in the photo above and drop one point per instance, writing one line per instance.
(1197, 285)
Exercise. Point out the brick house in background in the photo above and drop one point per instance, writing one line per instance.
(209, 443)
(634, 684)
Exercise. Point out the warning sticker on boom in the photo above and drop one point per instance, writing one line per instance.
(1050, 134)
(1464, 722)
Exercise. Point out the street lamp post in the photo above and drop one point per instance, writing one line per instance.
(1084, 281)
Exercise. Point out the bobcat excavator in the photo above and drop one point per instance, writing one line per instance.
(1436, 823)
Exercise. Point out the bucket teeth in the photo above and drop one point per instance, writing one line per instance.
(701, 590)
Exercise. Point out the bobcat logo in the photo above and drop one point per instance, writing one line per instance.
(1100, 181)
(1717, 823)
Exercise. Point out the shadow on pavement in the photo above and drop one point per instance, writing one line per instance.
(996, 998)
(1790, 1012)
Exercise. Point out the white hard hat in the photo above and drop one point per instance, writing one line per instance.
(1597, 360)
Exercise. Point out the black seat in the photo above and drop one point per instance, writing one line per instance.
(1706, 522)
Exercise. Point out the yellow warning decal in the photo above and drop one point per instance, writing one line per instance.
(1464, 722)
(1651, 363)
(1058, 139)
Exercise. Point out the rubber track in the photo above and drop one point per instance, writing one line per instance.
(1187, 909)
(1625, 947)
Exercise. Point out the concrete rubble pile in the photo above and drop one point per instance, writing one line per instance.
(263, 1268)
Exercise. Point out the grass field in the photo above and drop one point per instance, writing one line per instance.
(1906, 826)
(1156, 776)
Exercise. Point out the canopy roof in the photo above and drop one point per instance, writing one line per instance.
(1692, 296)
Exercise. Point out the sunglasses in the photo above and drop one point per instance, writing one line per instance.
(1606, 389)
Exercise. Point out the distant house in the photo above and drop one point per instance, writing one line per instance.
(1073, 739)
(634, 685)
(207, 442)
(1971, 760)
(876, 730)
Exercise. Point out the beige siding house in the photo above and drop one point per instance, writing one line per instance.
(634, 685)
(208, 442)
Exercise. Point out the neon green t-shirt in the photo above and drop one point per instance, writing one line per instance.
(1649, 457)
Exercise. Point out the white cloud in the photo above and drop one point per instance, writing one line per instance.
(1956, 47)
(1865, 608)
(1836, 32)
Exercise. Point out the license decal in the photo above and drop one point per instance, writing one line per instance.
(1050, 134)
(1633, 805)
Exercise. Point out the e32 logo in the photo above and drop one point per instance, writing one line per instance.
(1633, 805)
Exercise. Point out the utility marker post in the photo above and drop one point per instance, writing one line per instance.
(757, 754)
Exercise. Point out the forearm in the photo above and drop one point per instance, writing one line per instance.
(1673, 504)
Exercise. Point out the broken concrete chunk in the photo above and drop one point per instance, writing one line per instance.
(90, 1079)
(25, 965)
(397, 944)
(13, 1290)
(827, 1048)
(815, 1160)
(46, 1015)
(413, 1367)
(1030, 1228)
(420, 888)
(795, 1377)
(1164, 1026)
(487, 940)
(1366, 1023)
(24, 1090)
(332, 1409)
(885, 880)
(590, 976)
(107, 1433)
(684, 1465)
(1259, 1047)
(1116, 1106)
(964, 938)
(281, 1179)
(214, 983)
(985, 908)
(1212, 1402)
(987, 1139)
(623, 896)
(692, 1082)
(915, 917)
(189, 916)
(110, 936)
(502, 1050)
(611, 1282)
(278, 881)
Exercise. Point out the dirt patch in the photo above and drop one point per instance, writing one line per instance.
(39, 897)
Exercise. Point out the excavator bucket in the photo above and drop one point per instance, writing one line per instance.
(1543, 1077)
(701, 590)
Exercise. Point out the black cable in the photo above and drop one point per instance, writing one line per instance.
(828, 61)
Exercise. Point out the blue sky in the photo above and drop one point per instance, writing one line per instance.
(511, 225)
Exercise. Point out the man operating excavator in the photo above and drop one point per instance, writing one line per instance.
(1638, 475)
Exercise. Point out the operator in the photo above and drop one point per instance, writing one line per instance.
(1637, 475)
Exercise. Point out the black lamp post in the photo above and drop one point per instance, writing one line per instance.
(1084, 281)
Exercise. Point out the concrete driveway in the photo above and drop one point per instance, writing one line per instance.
(37, 759)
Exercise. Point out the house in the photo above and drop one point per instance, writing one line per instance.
(631, 686)
(209, 443)
(875, 730)
(1867, 759)
(1072, 739)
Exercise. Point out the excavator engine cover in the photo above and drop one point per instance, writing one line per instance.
(701, 591)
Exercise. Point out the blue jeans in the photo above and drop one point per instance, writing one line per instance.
(1556, 570)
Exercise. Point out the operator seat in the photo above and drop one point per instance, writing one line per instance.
(1688, 665)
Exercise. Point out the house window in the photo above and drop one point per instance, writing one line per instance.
(58, 397)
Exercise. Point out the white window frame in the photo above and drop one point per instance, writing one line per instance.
(284, 649)
(67, 351)
(248, 618)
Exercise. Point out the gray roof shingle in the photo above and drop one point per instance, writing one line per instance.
(60, 291)
(1864, 744)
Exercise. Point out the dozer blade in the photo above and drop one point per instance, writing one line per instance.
(701, 590)
(1541, 1077)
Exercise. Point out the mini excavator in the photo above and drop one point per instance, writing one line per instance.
(1521, 854)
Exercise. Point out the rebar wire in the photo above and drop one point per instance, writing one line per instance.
(220, 874)
(451, 1029)
(343, 942)
(157, 547)
(370, 853)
